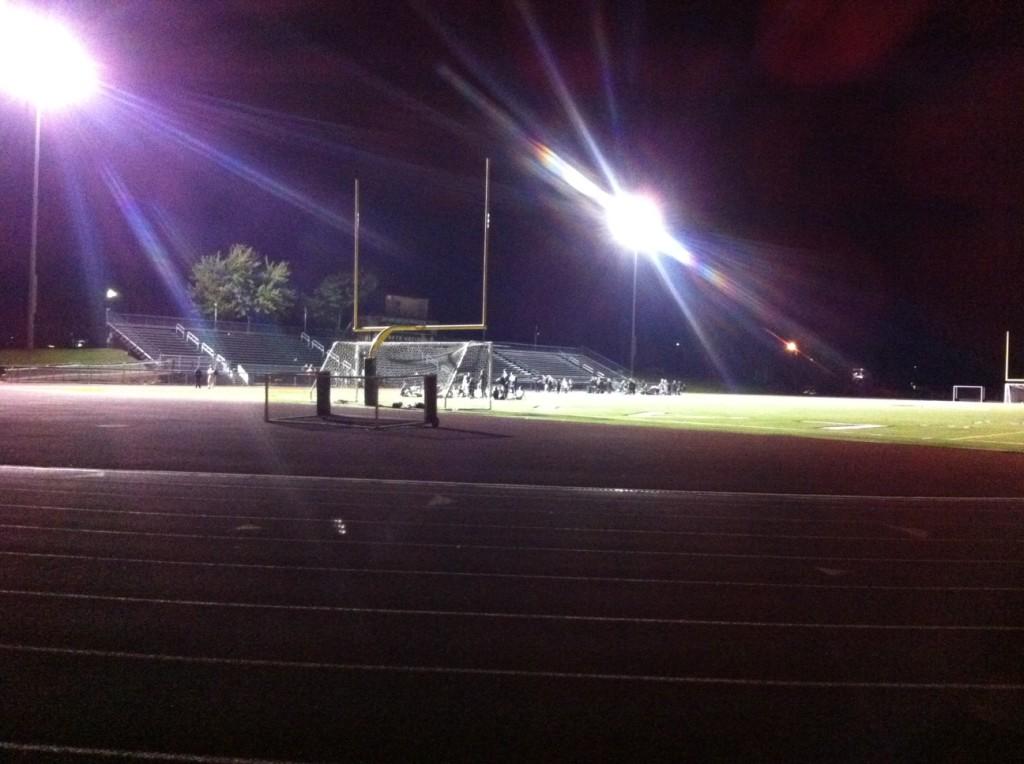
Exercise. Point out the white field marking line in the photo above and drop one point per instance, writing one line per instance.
(853, 426)
(117, 753)
(471, 490)
(276, 568)
(327, 523)
(992, 435)
(705, 423)
(498, 615)
(657, 512)
(457, 670)
(501, 548)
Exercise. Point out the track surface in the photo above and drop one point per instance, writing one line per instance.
(270, 616)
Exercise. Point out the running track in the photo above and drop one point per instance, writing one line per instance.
(184, 609)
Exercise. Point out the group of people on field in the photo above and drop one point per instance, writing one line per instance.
(206, 377)
(471, 385)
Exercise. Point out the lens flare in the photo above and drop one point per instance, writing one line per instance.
(41, 62)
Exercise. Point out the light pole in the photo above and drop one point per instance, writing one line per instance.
(43, 64)
(111, 295)
(635, 222)
(632, 323)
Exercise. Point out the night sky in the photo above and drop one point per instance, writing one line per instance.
(848, 172)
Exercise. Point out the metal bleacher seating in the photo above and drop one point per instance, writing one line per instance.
(187, 343)
(263, 353)
(531, 363)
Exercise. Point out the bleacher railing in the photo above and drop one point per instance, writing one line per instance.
(202, 324)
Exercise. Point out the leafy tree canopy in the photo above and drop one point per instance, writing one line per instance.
(332, 300)
(241, 284)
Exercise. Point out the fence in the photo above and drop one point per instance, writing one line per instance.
(111, 374)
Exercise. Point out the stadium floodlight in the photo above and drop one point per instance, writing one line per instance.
(635, 222)
(792, 347)
(43, 64)
(112, 294)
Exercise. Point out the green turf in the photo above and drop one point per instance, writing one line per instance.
(64, 357)
(993, 426)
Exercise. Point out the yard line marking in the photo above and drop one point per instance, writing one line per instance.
(498, 615)
(410, 669)
(842, 426)
(326, 522)
(117, 753)
(992, 435)
(525, 576)
(499, 547)
(145, 478)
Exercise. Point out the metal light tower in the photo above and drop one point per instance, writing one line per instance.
(43, 64)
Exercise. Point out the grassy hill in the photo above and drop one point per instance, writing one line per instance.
(64, 357)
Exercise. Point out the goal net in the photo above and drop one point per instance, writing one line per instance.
(463, 369)
(1013, 392)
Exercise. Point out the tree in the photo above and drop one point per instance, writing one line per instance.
(240, 285)
(333, 298)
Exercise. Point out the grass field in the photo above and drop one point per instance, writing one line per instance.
(992, 426)
(995, 426)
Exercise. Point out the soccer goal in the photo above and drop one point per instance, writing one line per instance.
(969, 393)
(1013, 392)
(463, 369)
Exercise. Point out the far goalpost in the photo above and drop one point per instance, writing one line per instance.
(1013, 387)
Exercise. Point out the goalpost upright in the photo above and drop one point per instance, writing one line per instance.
(381, 333)
(1011, 384)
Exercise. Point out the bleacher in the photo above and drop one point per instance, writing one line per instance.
(576, 364)
(157, 343)
(188, 343)
(260, 349)
(262, 353)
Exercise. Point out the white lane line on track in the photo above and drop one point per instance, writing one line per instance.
(908, 535)
(250, 480)
(514, 576)
(499, 548)
(659, 513)
(457, 670)
(117, 753)
(495, 615)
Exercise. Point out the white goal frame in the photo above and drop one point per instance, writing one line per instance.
(958, 388)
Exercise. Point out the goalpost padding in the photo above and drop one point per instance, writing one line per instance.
(974, 393)
(410, 400)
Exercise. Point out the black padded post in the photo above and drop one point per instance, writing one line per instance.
(323, 394)
(430, 400)
(370, 381)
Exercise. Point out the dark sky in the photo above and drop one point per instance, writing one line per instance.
(851, 169)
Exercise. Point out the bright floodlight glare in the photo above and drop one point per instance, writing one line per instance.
(112, 294)
(635, 222)
(791, 347)
(41, 62)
